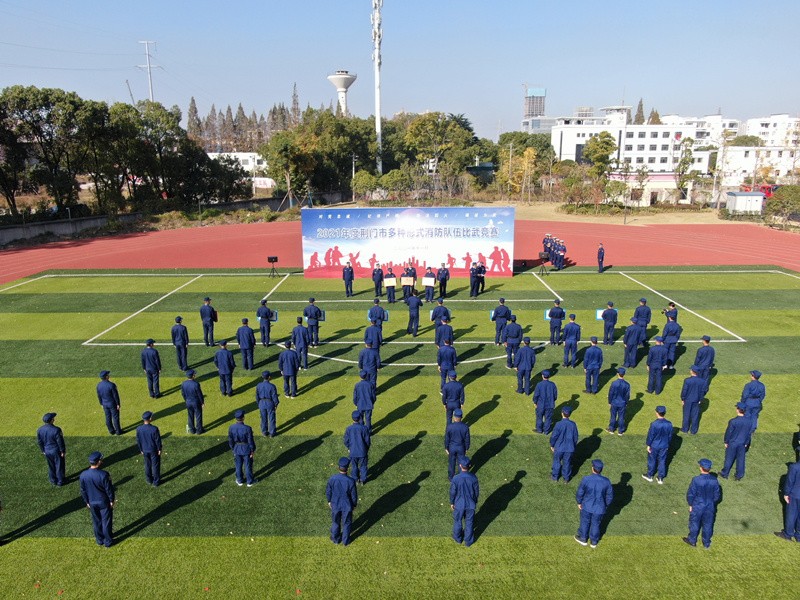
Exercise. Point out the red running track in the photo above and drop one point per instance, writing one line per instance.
(247, 246)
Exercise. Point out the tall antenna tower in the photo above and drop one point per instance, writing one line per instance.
(149, 67)
(377, 35)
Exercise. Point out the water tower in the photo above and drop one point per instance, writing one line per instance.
(342, 80)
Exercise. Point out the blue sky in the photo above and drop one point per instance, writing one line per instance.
(690, 58)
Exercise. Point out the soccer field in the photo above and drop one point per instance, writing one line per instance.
(200, 533)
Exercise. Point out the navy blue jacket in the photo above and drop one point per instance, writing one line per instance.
(180, 335)
(313, 313)
(266, 393)
(373, 336)
(348, 274)
(443, 332)
(245, 337)
(356, 439)
(151, 361)
(206, 313)
(619, 392)
(456, 437)
(443, 274)
(288, 362)
(545, 393)
(413, 305)
(464, 491)
(595, 494)
(364, 395)
(694, 389)
(738, 431)
(704, 357)
(264, 314)
(240, 439)
(501, 314)
(341, 492)
(609, 315)
(369, 360)
(565, 436)
(792, 486)
(300, 337)
(377, 314)
(631, 335)
(438, 313)
(96, 487)
(556, 314)
(377, 275)
(453, 394)
(672, 332)
(642, 314)
(704, 492)
(512, 333)
(525, 358)
(107, 393)
(148, 438)
(657, 357)
(50, 439)
(446, 358)
(572, 332)
(224, 361)
(753, 393)
(593, 358)
(659, 436)
(192, 393)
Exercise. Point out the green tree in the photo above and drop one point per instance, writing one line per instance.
(364, 183)
(397, 182)
(638, 119)
(654, 118)
(15, 176)
(684, 174)
(784, 204)
(746, 140)
(194, 128)
(598, 151)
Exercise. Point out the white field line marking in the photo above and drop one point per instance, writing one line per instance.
(666, 272)
(11, 287)
(781, 272)
(141, 310)
(462, 362)
(547, 286)
(647, 287)
(402, 304)
(285, 277)
(227, 274)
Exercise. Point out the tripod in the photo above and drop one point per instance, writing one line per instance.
(542, 269)
(273, 272)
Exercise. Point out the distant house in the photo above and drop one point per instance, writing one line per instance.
(250, 161)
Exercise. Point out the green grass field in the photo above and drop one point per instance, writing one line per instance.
(201, 534)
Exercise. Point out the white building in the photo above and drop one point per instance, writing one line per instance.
(533, 112)
(250, 161)
(778, 163)
(775, 130)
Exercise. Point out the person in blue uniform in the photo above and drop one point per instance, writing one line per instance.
(148, 440)
(670, 312)
(473, 281)
(643, 314)
(464, 493)
(659, 438)
(592, 363)
(656, 365)
(572, 335)
(357, 442)
(348, 276)
(456, 441)
(195, 402)
(609, 316)
(97, 492)
(692, 393)
(108, 397)
(500, 316)
(377, 315)
(408, 271)
(511, 339)
(545, 395)
(737, 441)
(703, 495)
(369, 360)
(390, 290)
(453, 396)
(481, 277)
(51, 442)
(377, 279)
(246, 338)
(342, 499)
(364, 398)
(444, 331)
(704, 360)
(672, 335)
(151, 365)
(594, 496)
(443, 276)
(556, 315)
(446, 360)
(313, 314)
(241, 442)
(226, 364)
(264, 316)
(414, 303)
(791, 495)
(301, 340)
(524, 361)
(208, 316)
(267, 401)
(180, 339)
(440, 313)
(429, 289)
(753, 395)
(601, 256)
(373, 335)
(630, 341)
(619, 394)
(289, 365)
(563, 442)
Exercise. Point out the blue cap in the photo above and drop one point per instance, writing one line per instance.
(356, 415)
(502, 300)
(149, 341)
(621, 371)
(344, 462)
(610, 303)
(659, 338)
(566, 410)
(263, 302)
(147, 415)
(740, 405)
(458, 413)
(706, 338)
(48, 417)
(514, 318)
(556, 301)
(451, 374)
(311, 299)
(642, 299)
(178, 319)
(546, 373)
(572, 316)
(362, 373)
(756, 374)
(287, 344)
(705, 463)
(245, 320)
(223, 343)
(593, 339)
(597, 465)
(694, 368)
(95, 457)
(376, 301)
(440, 301)
(464, 461)
(526, 340)
(190, 373)
(265, 374)
(661, 409)
(206, 299)
(104, 374)
(239, 414)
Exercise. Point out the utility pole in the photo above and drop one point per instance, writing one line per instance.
(377, 36)
(148, 66)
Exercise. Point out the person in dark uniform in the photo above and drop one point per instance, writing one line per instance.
(180, 339)
(443, 276)
(289, 365)
(737, 441)
(151, 365)
(406, 288)
(572, 335)
(348, 276)
(702, 496)
(429, 288)
(390, 290)
(563, 442)
(670, 312)
(659, 438)
(97, 492)
(377, 315)
(439, 314)
(456, 441)
(594, 496)
(313, 314)
(377, 279)
(444, 331)
(556, 315)
(148, 439)
(357, 441)
(601, 256)
(609, 316)
(481, 277)
(51, 442)
(208, 316)
(369, 360)
(301, 340)
(241, 442)
(656, 365)
(500, 316)
(630, 341)
(704, 360)
(342, 499)
(545, 395)
(524, 361)
(225, 363)
(373, 335)
(473, 281)
(446, 361)
(692, 393)
(264, 316)
(364, 398)
(672, 335)
(619, 394)
(791, 495)
(414, 303)
(464, 493)
(592, 363)
(642, 314)
(753, 395)
(453, 396)
(195, 402)
(511, 339)
(246, 338)
(108, 396)
(267, 401)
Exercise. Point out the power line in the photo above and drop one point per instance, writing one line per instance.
(60, 51)
(149, 66)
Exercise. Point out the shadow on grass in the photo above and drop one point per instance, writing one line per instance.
(198, 459)
(397, 356)
(489, 450)
(459, 333)
(292, 454)
(475, 350)
(398, 413)
(634, 407)
(387, 504)
(343, 349)
(314, 411)
(623, 495)
(475, 374)
(674, 446)
(395, 455)
(497, 502)
(585, 449)
(483, 409)
(398, 378)
(318, 381)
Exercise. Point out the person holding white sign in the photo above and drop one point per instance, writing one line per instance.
(428, 280)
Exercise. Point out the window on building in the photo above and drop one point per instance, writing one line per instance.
(653, 134)
(777, 173)
(653, 147)
(639, 160)
(769, 153)
(746, 153)
(664, 147)
(642, 134)
(628, 148)
(651, 160)
(245, 162)
(764, 125)
(627, 160)
(640, 148)
(780, 153)
(665, 134)
(698, 160)
(628, 134)
(663, 160)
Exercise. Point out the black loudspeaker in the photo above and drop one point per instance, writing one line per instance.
(544, 255)
(272, 259)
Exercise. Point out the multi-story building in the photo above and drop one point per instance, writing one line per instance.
(767, 164)
(533, 112)
(775, 130)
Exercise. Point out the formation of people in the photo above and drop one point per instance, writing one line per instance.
(556, 249)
